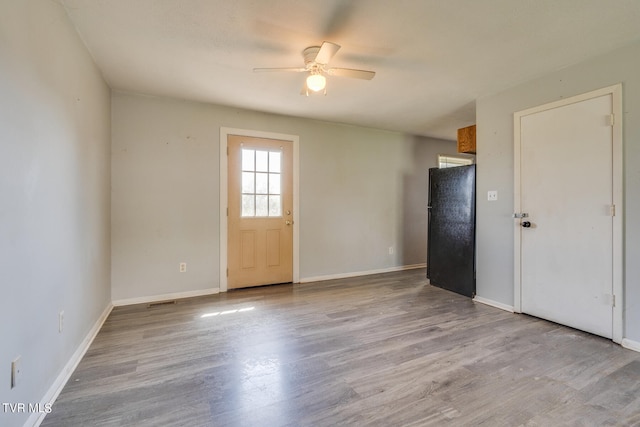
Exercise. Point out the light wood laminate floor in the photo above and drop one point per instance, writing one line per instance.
(386, 350)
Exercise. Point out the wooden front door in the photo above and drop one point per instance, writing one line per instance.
(260, 217)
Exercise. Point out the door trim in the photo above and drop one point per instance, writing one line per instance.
(618, 286)
(295, 140)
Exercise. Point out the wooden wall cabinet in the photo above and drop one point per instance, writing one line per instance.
(467, 140)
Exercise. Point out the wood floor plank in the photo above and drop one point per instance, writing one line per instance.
(386, 349)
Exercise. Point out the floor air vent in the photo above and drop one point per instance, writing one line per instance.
(160, 303)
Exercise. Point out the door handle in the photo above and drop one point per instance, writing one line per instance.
(288, 222)
(526, 224)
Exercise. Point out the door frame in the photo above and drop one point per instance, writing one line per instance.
(224, 168)
(618, 287)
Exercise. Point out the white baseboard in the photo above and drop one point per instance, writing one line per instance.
(630, 344)
(52, 394)
(164, 297)
(493, 303)
(360, 273)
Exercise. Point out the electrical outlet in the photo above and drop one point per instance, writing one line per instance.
(16, 372)
(61, 321)
(183, 267)
(492, 195)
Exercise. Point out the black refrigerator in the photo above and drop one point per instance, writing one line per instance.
(451, 237)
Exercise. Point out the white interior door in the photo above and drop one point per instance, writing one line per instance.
(566, 188)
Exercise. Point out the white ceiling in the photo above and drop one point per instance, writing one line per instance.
(433, 58)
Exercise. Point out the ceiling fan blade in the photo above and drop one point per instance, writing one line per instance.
(339, 18)
(326, 52)
(294, 69)
(350, 72)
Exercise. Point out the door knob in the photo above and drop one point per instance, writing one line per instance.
(288, 222)
(526, 224)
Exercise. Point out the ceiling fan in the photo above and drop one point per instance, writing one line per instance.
(316, 60)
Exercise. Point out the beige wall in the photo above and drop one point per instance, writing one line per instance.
(54, 182)
(361, 191)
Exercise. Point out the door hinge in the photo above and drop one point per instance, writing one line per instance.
(611, 119)
(227, 211)
(227, 151)
(227, 272)
(609, 299)
(612, 210)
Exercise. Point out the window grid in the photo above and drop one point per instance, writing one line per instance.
(261, 183)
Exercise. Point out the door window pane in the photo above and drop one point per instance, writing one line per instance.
(248, 160)
(275, 207)
(262, 204)
(262, 161)
(248, 183)
(261, 183)
(274, 161)
(274, 183)
(248, 205)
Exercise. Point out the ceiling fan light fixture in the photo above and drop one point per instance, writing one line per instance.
(316, 67)
(316, 82)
